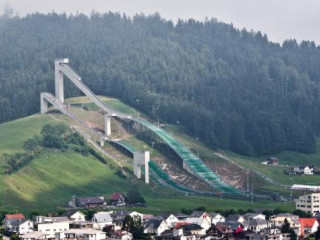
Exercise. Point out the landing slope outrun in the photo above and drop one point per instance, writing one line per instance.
(158, 174)
(192, 163)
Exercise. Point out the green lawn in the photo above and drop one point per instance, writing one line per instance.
(112, 102)
(274, 172)
(14, 134)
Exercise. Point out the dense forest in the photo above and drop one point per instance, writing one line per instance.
(233, 89)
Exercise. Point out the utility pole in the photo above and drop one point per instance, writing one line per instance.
(251, 193)
(248, 184)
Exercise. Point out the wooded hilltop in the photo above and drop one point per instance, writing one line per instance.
(232, 89)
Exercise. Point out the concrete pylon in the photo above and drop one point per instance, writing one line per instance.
(59, 89)
(141, 159)
(107, 124)
(43, 104)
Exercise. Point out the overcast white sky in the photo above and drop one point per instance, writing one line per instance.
(279, 19)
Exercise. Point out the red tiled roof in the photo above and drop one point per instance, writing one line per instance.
(115, 196)
(178, 225)
(306, 223)
(15, 216)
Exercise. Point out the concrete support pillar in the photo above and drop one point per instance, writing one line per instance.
(59, 90)
(107, 125)
(141, 159)
(43, 104)
(137, 171)
(146, 166)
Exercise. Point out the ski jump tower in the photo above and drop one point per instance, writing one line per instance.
(62, 69)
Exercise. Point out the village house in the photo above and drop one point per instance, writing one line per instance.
(202, 222)
(121, 235)
(52, 225)
(234, 226)
(101, 220)
(118, 218)
(256, 225)
(118, 199)
(200, 214)
(270, 234)
(306, 170)
(83, 234)
(216, 217)
(235, 218)
(220, 231)
(136, 215)
(271, 161)
(181, 216)
(169, 218)
(182, 229)
(75, 216)
(87, 202)
(155, 226)
(252, 216)
(293, 220)
(308, 226)
(34, 236)
(26, 226)
(12, 221)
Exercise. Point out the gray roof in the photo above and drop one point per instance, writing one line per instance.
(15, 221)
(84, 201)
(180, 215)
(164, 215)
(289, 215)
(153, 223)
(257, 222)
(190, 227)
(252, 214)
(69, 213)
(214, 214)
(60, 219)
(233, 218)
(119, 215)
(196, 214)
(102, 217)
(232, 225)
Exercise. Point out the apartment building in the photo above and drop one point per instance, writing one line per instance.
(309, 203)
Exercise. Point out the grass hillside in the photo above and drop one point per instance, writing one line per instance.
(51, 179)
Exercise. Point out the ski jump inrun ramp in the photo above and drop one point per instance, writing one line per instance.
(191, 162)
